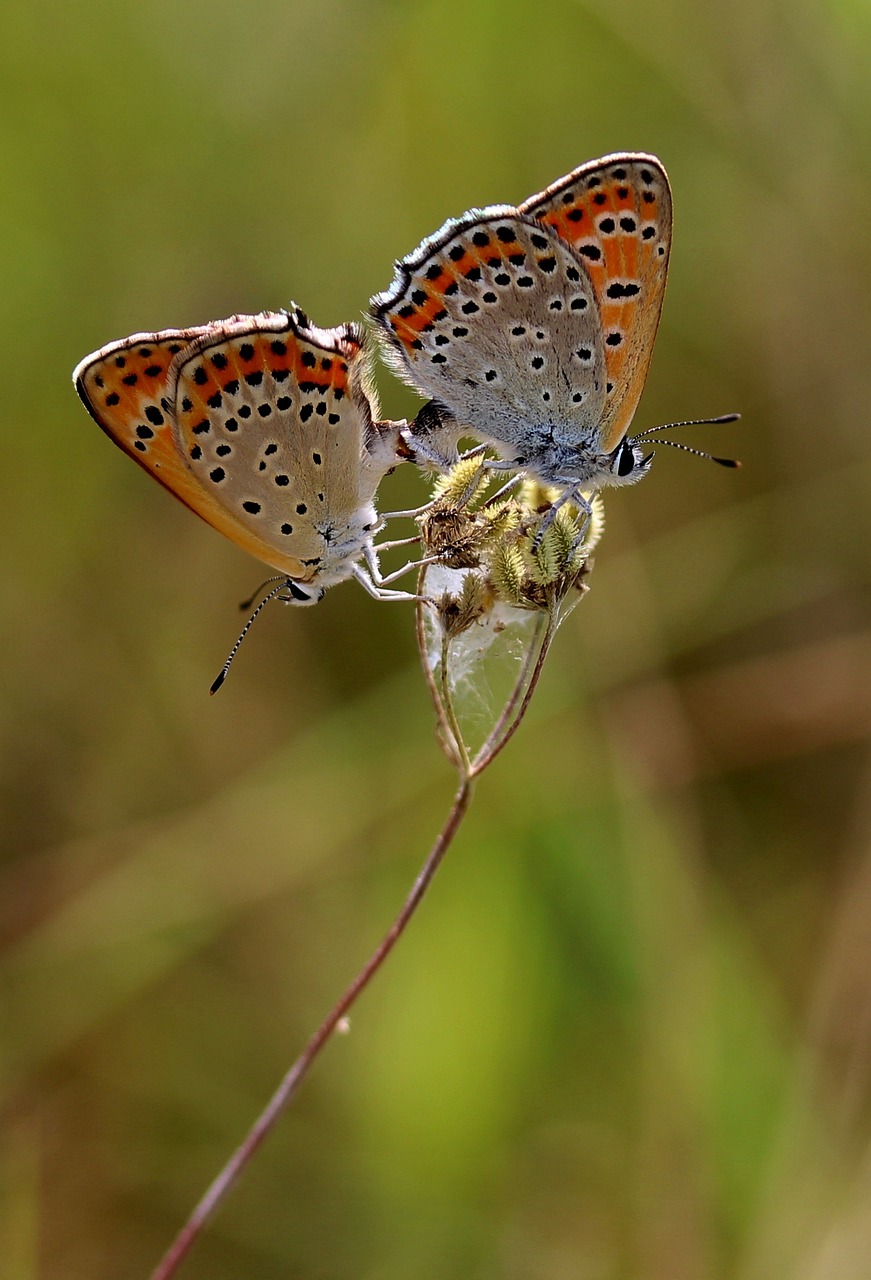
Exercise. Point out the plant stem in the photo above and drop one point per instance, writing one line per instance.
(263, 1126)
(447, 710)
(455, 747)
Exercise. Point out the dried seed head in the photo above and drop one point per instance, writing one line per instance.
(457, 612)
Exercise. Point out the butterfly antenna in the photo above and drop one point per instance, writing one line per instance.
(651, 438)
(700, 453)
(216, 684)
(690, 422)
(246, 604)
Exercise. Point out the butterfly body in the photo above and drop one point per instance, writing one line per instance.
(264, 426)
(533, 326)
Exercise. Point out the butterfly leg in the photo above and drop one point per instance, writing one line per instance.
(476, 452)
(502, 464)
(506, 488)
(432, 437)
(405, 515)
(380, 592)
(417, 512)
(373, 567)
(572, 494)
(422, 452)
(397, 542)
(412, 564)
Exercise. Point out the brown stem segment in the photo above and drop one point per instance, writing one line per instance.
(233, 1169)
(445, 739)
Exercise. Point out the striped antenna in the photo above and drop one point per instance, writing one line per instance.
(270, 595)
(651, 438)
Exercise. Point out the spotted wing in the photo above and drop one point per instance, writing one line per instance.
(496, 317)
(275, 421)
(616, 214)
(122, 387)
(125, 387)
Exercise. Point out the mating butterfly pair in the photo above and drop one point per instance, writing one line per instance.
(532, 329)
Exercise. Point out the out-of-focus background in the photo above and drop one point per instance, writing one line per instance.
(630, 1033)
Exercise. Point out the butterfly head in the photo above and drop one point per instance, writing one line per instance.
(628, 463)
(301, 593)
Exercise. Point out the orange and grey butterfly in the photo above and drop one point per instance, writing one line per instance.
(534, 326)
(263, 425)
(616, 214)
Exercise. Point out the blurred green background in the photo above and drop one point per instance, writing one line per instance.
(629, 1035)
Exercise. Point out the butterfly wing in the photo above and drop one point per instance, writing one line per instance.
(274, 419)
(616, 214)
(496, 317)
(126, 388)
(123, 386)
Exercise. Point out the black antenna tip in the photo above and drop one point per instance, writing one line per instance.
(270, 595)
(726, 417)
(726, 462)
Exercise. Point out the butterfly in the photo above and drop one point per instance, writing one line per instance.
(532, 327)
(265, 426)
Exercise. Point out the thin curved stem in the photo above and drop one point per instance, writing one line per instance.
(263, 1126)
(455, 748)
(451, 722)
(445, 737)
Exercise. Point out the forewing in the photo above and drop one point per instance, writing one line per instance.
(123, 386)
(496, 318)
(127, 389)
(616, 214)
(274, 419)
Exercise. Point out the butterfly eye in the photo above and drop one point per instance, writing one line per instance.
(625, 459)
(297, 593)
